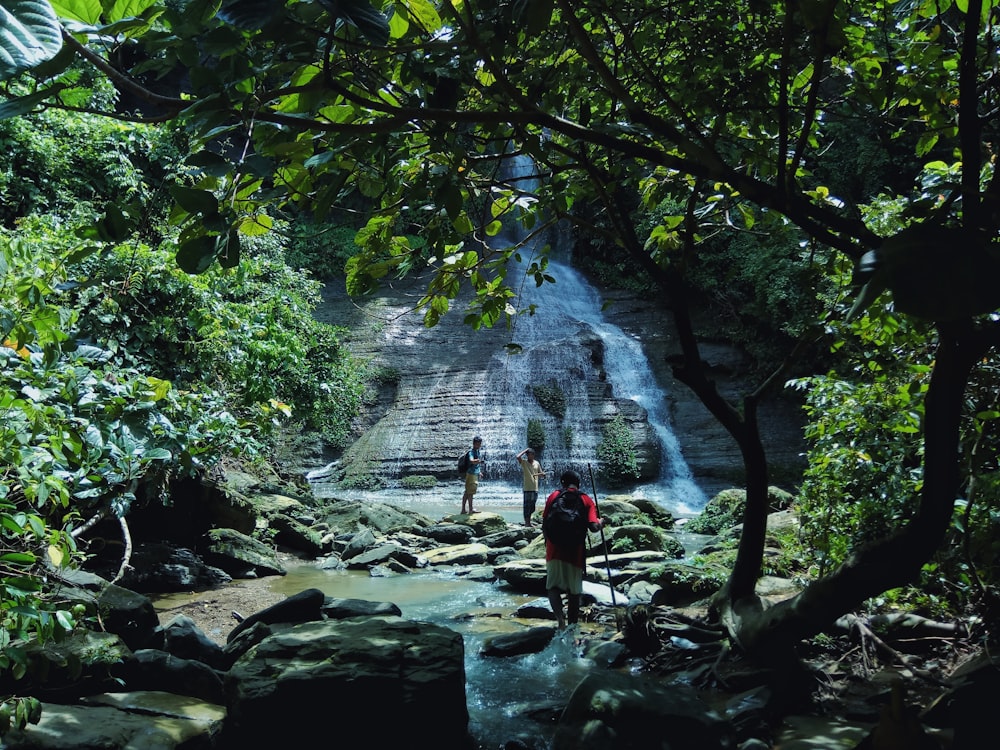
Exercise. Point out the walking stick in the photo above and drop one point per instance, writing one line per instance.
(604, 545)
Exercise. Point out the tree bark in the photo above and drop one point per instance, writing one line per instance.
(891, 562)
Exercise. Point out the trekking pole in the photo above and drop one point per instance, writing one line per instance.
(604, 544)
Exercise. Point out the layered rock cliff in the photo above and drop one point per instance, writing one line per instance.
(438, 384)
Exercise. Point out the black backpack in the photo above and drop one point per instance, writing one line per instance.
(565, 523)
(463, 464)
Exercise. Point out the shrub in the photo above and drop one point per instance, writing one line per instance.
(551, 398)
(536, 435)
(419, 481)
(616, 459)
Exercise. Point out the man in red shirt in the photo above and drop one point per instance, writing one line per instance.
(565, 561)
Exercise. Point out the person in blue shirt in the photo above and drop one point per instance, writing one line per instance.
(472, 474)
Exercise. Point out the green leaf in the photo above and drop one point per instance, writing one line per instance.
(425, 14)
(195, 201)
(210, 163)
(29, 35)
(250, 15)
(197, 255)
(115, 226)
(84, 11)
(18, 558)
(25, 104)
(360, 13)
(228, 250)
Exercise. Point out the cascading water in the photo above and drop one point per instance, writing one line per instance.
(552, 354)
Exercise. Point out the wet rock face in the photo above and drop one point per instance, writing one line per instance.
(438, 387)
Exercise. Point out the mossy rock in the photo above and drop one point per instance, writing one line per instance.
(637, 538)
(241, 556)
(683, 584)
(725, 510)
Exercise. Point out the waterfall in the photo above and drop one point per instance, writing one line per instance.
(551, 352)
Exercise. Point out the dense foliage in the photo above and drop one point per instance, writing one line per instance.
(121, 372)
(616, 453)
(712, 147)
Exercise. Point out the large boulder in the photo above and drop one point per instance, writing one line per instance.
(241, 556)
(460, 554)
(350, 516)
(637, 538)
(482, 523)
(449, 533)
(79, 664)
(159, 568)
(529, 641)
(151, 670)
(129, 615)
(122, 720)
(305, 606)
(725, 509)
(319, 679)
(610, 710)
(184, 639)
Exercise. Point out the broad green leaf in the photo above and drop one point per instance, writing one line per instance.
(96, 12)
(195, 201)
(398, 25)
(197, 254)
(85, 11)
(160, 387)
(127, 9)
(18, 558)
(228, 249)
(426, 15)
(257, 225)
(25, 104)
(250, 15)
(29, 35)
(360, 14)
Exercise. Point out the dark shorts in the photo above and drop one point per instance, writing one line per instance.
(530, 501)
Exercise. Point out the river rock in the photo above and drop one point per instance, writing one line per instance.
(530, 641)
(449, 533)
(184, 639)
(609, 710)
(459, 554)
(153, 719)
(241, 556)
(304, 606)
(152, 669)
(410, 675)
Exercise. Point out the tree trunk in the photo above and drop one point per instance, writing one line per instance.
(770, 634)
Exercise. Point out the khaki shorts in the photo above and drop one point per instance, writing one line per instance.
(563, 576)
(471, 484)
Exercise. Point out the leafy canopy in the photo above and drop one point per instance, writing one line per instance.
(404, 106)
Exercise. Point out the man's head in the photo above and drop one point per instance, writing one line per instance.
(570, 479)
(477, 441)
(529, 454)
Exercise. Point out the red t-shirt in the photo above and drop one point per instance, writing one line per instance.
(578, 555)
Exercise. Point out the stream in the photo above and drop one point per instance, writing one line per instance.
(501, 693)
(507, 698)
